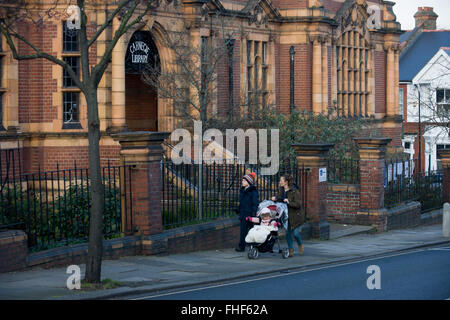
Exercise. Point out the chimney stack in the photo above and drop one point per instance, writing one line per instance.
(427, 17)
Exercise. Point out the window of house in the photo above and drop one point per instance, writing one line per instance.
(442, 146)
(443, 101)
(353, 69)
(257, 73)
(408, 145)
(70, 92)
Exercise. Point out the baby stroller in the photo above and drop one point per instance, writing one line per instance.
(268, 236)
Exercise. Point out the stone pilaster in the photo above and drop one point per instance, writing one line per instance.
(118, 121)
(317, 76)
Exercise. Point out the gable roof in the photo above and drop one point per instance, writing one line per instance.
(446, 50)
(420, 51)
(441, 52)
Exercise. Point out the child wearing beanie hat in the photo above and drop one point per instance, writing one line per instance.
(248, 206)
(250, 178)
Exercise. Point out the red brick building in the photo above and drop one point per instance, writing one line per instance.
(304, 54)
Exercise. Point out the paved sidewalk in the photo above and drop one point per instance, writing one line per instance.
(145, 274)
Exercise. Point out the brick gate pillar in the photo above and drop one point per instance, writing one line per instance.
(444, 155)
(372, 153)
(143, 150)
(315, 158)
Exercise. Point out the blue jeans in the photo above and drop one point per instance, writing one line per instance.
(297, 236)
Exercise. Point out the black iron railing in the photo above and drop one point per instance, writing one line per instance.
(52, 207)
(343, 171)
(192, 193)
(403, 182)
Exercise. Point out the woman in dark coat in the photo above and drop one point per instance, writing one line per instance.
(291, 196)
(248, 206)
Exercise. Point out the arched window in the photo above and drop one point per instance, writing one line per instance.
(353, 68)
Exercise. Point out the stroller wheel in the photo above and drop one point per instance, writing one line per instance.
(285, 254)
(253, 253)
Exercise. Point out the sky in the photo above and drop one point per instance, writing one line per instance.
(405, 10)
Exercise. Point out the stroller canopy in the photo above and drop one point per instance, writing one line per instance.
(276, 208)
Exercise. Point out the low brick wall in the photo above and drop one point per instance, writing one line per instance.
(432, 217)
(343, 202)
(13, 250)
(207, 236)
(77, 254)
(404, 216)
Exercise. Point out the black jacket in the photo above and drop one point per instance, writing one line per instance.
(248, 201)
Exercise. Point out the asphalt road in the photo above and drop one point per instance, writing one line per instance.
(418, 274)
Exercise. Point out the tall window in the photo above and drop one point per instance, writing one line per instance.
(257, 71)
(70, 93)
(352, 61)
(70, 39)
(71, 108)
(443, 102)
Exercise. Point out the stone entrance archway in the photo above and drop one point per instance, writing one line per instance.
(141, 99)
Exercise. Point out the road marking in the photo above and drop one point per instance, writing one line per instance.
(278, 275)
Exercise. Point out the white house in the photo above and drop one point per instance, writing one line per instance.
(432, 84)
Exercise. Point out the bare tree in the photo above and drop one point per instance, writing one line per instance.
(191, 81)
(130, 13)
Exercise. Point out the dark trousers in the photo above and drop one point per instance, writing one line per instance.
(245, 226)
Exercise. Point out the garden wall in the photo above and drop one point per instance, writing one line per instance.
(207, 236)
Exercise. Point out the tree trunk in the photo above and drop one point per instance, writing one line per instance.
(95, 248)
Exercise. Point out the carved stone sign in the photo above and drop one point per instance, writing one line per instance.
(140, 52)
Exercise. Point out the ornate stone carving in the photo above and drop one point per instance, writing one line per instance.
(258, 17)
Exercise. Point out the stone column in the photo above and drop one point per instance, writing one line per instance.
(11, 96)
(317, 77)
(325, 92)
(143, 150)
(315, 158)
(118, 121)
(390, 78)
(444, 155)
(372, 156)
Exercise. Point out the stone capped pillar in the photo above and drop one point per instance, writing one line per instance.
(315, 158)
(143, 150)
(444, 155)
(372, 153)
